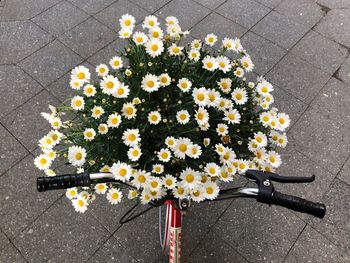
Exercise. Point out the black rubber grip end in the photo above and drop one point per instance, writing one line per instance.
(62, 181)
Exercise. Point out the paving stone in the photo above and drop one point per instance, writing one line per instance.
(344, 174)
(210, 4)
(298, 77)
(22, 10)
(322, 139)
(306, 12)
(313, 247)
(112, 251)
(280, 29)
(270, 3)
(3, 240)
(61, 235)
(88, 37)
(19, 39)
(333, 101)
(26, 122)
(50, 62)
(264, 53)
(92, 6)
(344, 71)
(151, 5)
(29, 203)
(16, 87)
(188, 12)
(214, 249)
(334, 24)
(11, 151)
(244, 12)
(60, 18)
(220, 26)
(10, 255)
(111, 15)
(335, 225)
(320, 52)
(332, 4)
(258, 232)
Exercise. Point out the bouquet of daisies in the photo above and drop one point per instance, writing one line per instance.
(165, 118)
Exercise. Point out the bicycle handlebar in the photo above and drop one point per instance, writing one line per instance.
(62, 181)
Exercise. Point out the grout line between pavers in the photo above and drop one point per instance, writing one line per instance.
(11, 243)
(15, 164)
(1, 124)
(46, 9)
(296, 240)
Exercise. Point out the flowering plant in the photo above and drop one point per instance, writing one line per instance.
(165, 118)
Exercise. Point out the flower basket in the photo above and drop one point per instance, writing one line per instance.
(166, 118)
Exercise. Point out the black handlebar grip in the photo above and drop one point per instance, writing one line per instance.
(62, 181)
(298, 204)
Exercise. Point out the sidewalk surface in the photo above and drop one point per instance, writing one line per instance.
(301, 46)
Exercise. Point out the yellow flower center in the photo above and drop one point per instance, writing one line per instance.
(81, 203)
(168, 182)
(212, 170)
(139, 39)
(81, 75)
(132, 137)
(264, 89)
(209, 190)
(115, 121)
(123, 172)
(239, 96)
(164, 155)
(200, 96)
(154, 47)
(78, 103)
(154, 184)
(189, 178)
(43, 161)
(141, 178)
(78, 156)
(115, 196)
(183, 147)
(127, 22)
(209, 65)
(150, 83)
(110, 85)
(135, 152)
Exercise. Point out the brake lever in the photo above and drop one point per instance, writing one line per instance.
(261, 175)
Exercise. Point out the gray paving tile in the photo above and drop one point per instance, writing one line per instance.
(60, 18)
(151, 5)
(322, 139)
(334, 24)
(320, 52)
(244, 12)
(19, 39)
(298, 77)
(92, 6)
(50, 62)
(26, 122)
(16, 88)
(10, 255)
(88, 37)
(270, 3)
(21, 10)
(214, 249)
(333, 101)
(313, 247)
(61, 235)
(220, 26)
(264, 53)
(188, 12)
(344, 174)
(112, 251)
(336, 224)
(344, 71)
(11, 151)
(14, 189)
(258, 232)
(332, 4)
(280, 29)
(210, 4)
(306, 12)
(3, 240)
(110, 16)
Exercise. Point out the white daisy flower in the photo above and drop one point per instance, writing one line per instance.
(274, 159)
(264, 88)
(150, 21)
(116, 62)
(127, 21)
(209, 63)
(42, 162)
(184, 84)
(77, 103)
(121, 171)
(224, 104)
(132, 194)
(239, 73)
(131, 137)
(76, 84)
(231, 169)
(239, 96)
(198, 194)
(134, 153)
(224, 175)
(247, 63)
(114, 196)
(154, 117)
(46, 142)
(125, 32)
(260, 155)
(89, 134)
(76, 155)
(200, 96)
(265, 118)
(202, 116)
(194, 55)
(206, 142)
(210, 39)
(122, 91)
(283, 121)
(55, 123)
(190, 178)
(129, 111)
(169, 181)
(141, 179)
(220, 149)
(164, 80)
(213, 97)
(150, 83)
(282, 140)
(171, 20)
(243, 166)
(101, 188)
(109, 84)
(212, 169)
(225, 85)
(175, 50)
(114, 120)
(260, 139)
(222, 129)
(51, 154)
(183, 117)
(81, 73)
(194, 151)
(223, 64)
(89, 90)
(97, 112)
(140, 38)
(154, 183)
(164, 155)
(80, 204)
(105, 169)
(180, 191)
(56, 136)
(72, 193)
(232, 116)
(170, 142)
(154, 47)
(102, 128)
(211, 190)
(158, 168)
(102, 70)
(237, 46)
(182, 147)
(156, 32)
(196, 44)
(228, 43)
(145, 197)
(174, 30)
